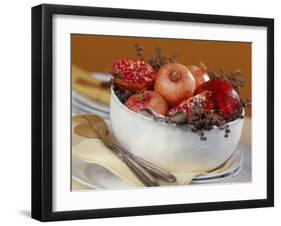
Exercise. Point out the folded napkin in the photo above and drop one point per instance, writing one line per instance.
(94, 151)
(83, 83)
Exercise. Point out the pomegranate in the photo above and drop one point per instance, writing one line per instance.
(222, 97)
(133, 75)
(187, 103)
(218, 87)
(148, 100)
(199, 73)
(175, 82)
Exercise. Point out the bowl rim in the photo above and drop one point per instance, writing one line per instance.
(163, 122)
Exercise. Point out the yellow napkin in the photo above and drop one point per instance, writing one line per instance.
(89, 86)
(94, 151)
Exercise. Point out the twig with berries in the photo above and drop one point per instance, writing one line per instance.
(157, 60)
(234, 77)
(122, 95)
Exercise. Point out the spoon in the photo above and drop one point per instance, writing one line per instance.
(155, 170)
(143, 169)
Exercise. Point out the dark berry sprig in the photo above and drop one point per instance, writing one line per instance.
(158, 59)
(234, 77)
(122, 95)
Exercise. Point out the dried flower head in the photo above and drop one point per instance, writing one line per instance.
(139, 50)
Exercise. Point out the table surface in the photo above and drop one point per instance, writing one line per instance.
(244, 174)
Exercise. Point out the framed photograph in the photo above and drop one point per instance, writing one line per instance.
(146, 112)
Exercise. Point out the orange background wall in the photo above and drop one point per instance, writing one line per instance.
(99, 52)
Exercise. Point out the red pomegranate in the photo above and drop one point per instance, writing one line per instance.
(218, 87)
(199, 73)
(222, 97)
(187, 103)
(175, 82)
(148, 100)
(133, 75)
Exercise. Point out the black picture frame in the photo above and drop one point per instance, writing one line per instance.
(42, 107)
